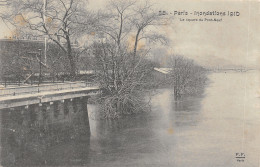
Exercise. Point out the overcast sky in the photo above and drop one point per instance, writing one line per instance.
(232, 41)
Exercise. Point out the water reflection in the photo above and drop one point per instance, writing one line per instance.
(198, 131)
(46, 134)
(137, 139)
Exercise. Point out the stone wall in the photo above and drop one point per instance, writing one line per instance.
(34, 129)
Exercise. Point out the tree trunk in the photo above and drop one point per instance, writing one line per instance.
(175, 93)
(135, 47)
(72, 66)
(71, 59)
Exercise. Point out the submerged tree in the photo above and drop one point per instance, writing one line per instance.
(186, 77)
(122, 66)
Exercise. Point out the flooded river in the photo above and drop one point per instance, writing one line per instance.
(198, 132)
(207, 131)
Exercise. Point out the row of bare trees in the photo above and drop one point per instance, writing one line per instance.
(66, 21)
(126, 30)
(57, 20)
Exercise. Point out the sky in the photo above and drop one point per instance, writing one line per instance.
(231, 42)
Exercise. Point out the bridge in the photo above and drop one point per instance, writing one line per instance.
(35, 118)
(230, 69)
(37, 94)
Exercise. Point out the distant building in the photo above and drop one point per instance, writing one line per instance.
(16, 55)
(21, 56)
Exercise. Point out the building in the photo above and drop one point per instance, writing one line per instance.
(20, 57)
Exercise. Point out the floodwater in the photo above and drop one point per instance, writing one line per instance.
(204, 131)
(207, 131)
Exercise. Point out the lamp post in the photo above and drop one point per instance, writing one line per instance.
(40, 74)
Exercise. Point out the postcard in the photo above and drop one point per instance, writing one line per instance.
(124, 83)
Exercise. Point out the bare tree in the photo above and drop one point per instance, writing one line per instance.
(145, 17)
(186, 76)
(132, 21)
(54, 19)
(121, 65)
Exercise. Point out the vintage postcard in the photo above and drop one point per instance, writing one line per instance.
(130, 83)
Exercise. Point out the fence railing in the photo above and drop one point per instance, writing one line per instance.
(18, 83)
(30, 89)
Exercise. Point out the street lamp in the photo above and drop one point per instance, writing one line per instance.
(40, 75)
